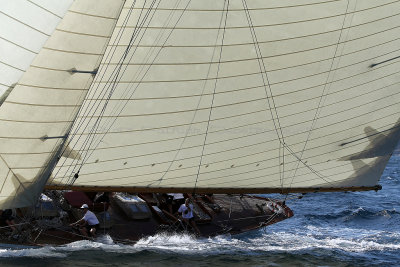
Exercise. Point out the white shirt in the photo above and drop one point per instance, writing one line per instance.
(90, 218)
(176, 195)
(183, 208)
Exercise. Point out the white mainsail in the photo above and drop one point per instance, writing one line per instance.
(41, 108)
(241, 96)
(237, 96)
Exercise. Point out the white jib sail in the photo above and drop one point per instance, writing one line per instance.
(40, 109)
(241, 95)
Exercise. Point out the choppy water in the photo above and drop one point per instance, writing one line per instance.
(329, 229)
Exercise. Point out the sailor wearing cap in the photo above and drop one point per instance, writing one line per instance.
(89, 222)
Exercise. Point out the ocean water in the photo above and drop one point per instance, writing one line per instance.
(328, 229)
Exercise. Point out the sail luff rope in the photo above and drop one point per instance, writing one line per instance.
(213, 96)
(324, 93)
(86, 110)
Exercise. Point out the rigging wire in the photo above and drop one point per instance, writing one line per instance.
(271, 101)
(124, 95)
(85, 110)
(117, 69)
(112, 85)
(137, 85)
(213, 96)
(198, 103)
(325, 89)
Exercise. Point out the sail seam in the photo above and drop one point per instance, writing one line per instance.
(349, 118)
(72, 52)
(301, 122)
(283, 94)
(117, 77)
(290, 38)
(39, 105)
(45, 9)
(11, 66)
(241, 179)
(23, 23)
(248, 74)
(52, 88)
(265, 160)
(326, 88)
(142, 76)
(198, 104)
(83, 34)
(214, 90)
(80, 111)
(104, 90)
(385, 129)
(276, 55)
(92, 15)
(271, 8)
(246, 89)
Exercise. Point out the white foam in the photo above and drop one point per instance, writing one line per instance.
(43, 252)
(306, 238)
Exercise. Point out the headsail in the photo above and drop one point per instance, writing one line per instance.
(241, 96)
(39, 111)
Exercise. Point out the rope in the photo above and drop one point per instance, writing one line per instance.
(141, 79)
(214, 90)
(100, 139)
(8, 226)
(198, 103)
(271, 101)
(324, 93)
(86, 111)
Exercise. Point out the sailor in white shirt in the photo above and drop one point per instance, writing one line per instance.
(186, 211)
(89, 222)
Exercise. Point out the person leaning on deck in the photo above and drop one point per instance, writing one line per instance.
(89, 222)
(186, 211)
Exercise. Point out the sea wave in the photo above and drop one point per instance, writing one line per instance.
(304, 240)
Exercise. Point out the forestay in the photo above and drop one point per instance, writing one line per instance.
(43, 41)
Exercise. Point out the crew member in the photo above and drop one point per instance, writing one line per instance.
(186, 211)
(89, 222)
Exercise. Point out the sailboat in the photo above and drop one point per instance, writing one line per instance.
(233, 97)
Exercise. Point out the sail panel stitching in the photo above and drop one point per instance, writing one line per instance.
(78, 122)
(326, 88)
(87, 109)
(214, 90)
(100, 139)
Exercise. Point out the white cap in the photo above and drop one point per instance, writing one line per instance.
(84, 206)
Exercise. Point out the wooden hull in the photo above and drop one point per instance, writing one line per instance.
(221, 214)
